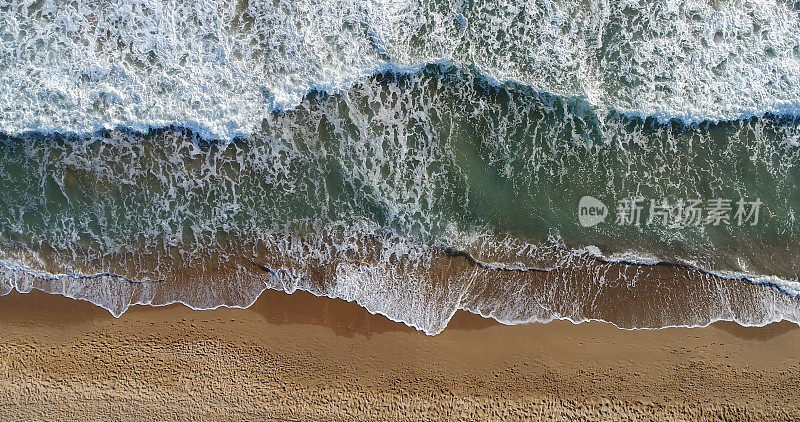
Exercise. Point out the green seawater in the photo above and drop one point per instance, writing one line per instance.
(434, 159)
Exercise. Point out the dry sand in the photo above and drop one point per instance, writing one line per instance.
(299, 357)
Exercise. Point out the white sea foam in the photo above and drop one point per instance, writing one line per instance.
(218, 66)
(404, 294)
(788, 286)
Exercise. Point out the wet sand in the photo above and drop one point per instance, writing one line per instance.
(300, 357)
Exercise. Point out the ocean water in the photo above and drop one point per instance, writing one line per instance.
(634, 162)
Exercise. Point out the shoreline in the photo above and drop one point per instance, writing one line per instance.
(270, 297)
(301, 357)
(589, 289)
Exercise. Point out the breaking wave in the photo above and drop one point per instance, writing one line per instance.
(216, 67)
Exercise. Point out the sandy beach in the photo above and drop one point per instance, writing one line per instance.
(300, 357)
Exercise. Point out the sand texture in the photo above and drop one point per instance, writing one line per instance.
(303, 358)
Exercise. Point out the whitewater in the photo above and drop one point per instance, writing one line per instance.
(414, 157)
(217, 67)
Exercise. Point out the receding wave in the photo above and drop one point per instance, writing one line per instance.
(632, 296)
